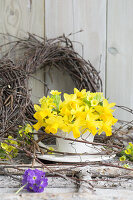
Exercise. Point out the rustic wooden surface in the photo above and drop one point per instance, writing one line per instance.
(109, 183)
(99, 194)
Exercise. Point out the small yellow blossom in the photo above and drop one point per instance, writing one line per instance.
(126, 166)
(128, 151)
(28, 129)
(55, 92)
(25, 130)
(10, 150)
(123, 158)
(94, 102)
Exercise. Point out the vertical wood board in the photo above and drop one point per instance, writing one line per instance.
(58, 21)
(18, 17)
(90, 16)
(120, 55)
(70, 16)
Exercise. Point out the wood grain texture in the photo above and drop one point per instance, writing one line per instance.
(120, 55)
(18, 17)
(60, 194)
(70, 16)
(90, 16)
(58, 17)
(58, 21)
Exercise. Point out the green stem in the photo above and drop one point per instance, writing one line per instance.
(21, 188)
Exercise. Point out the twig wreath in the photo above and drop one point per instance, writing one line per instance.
(34, 53)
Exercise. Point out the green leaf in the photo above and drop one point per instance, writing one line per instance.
(87, 102)
(57, 99)
(99, 98)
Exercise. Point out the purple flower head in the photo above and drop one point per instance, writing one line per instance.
(34, 180)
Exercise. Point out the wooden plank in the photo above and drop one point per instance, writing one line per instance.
(58, 17)
(67, 194)
(120, 55)
(90, 16)
(19, 17)
(70, 16)
(58, 21)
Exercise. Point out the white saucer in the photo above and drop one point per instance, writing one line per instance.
(74, 158)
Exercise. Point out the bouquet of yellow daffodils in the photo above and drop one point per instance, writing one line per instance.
(79, 112)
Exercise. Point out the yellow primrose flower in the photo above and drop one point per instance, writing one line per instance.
(4, 146)
(126, 166)
(9, 149)
(55, 92)
(94, 102)
(28, 129)
(128, 151)
(123, 158)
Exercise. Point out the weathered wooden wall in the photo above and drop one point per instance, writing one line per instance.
(119, 68)
(70, 16)
(107, 39)
(17, 17)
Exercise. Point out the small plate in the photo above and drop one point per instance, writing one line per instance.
(75, 158)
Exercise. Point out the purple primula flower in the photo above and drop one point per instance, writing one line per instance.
(34, 180)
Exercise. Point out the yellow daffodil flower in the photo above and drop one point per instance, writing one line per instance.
(79, 94)
(76, 132)
(79, 111)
